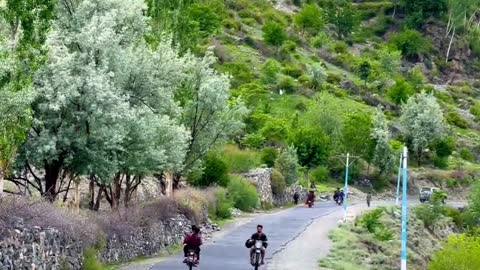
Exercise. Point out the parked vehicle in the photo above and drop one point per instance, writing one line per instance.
(426, 194)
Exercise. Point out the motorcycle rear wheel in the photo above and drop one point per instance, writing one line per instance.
(257, 261)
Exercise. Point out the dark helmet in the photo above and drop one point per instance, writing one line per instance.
(195, 229)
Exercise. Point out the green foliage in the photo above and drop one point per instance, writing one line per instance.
(319, 174)
(91, 261)
(318, 75)
(275, 131)
(269, 155)
(278, 182)
(428, 214)
(292, 70)
(215, 172)
(383, 234)
(444, 147)
(254, 140)
(466, 154)
(440, 162)
(343, 16)
(384, 153)
(241, 72)
(270, 71)
(273, 34)
(357, 139)
(243, 193)
(287, 84)
(419, 11)
(221, 209)
(460, 252)
(364, 71)
(309, 18)
(411, 43)
(320, 40)
(371, 220)
(454, 118)
(474, 201)
(239, 161)
(400, 91)
(207, 15)
(313, 147)
(287, 164)
(475, 110)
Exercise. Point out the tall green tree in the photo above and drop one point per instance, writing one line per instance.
(364, 71)
(423, 122)
(310, 18)
(287, 164)
(357, 140)
(343, 16)
(313, 147)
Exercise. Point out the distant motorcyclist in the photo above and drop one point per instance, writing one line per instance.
(259, 236)
(336, 195)
(310, 197)
(296, 196)
(193, 241)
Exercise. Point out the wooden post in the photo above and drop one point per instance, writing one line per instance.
(169, 180)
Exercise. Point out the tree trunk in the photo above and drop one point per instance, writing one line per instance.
(2, 181)
(99, 198)
(91, 192)
(176, 180)
(450, 45)
(77, 195)
(52, 171)
(128, 190)
(116, 191)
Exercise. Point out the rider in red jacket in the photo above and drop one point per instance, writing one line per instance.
(193, 240)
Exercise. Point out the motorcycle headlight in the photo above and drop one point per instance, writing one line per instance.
(258, 244)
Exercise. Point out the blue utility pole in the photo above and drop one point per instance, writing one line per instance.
(345, 189)
(403, 260)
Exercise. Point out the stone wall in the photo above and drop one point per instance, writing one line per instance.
(287, 196)
(262, 179)
(23, 248)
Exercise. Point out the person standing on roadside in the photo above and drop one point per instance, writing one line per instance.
(369, 198)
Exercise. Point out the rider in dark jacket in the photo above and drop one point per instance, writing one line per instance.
(259, 235)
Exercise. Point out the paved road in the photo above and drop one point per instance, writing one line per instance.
(230, 253)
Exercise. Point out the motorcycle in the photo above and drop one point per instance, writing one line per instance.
(339, 201)
(256, 255)
(310, 203)
(191, 260)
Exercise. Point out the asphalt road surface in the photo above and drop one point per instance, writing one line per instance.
(229, 252)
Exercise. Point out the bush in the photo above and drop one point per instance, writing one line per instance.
(320, 40)
(221, 209)
(289, 47)
(459, 252)
(269, 155)
(411, 43)
(243, 193)
(194, 202)
(440, 162)
(273, 34)
(287, 165)
(239, 161)
(254, 140)
(90, 260)
(454, 118)
(383, 234)
(466, 154)
(428, 213)
(455, 215)
(278, 183)
(319, 174)
(475, 110)
(215, 172)
(241, 72)
(371, 220)
(400, 91)
(309, 18)
(287, 84)
(270, 71)
(293, 71)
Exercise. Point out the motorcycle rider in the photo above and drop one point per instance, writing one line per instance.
(193, 240)
(296, 196)
(310, 197)
(336, 195)
(259, 235)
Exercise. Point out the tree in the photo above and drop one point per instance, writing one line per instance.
(422, 119)
(357, 130)
(269, 155)
(419, 11)
(104, 106)
(215, 172)
(287, 164)
(460, 252)
(274, 34)
(318, 75)
(208, 16)
(390, 61)
(411, 43)
(364, 71)
(343, 16)
(400, 91)
(313, 147)
(270, 71)
(309, 18)
(383, 155)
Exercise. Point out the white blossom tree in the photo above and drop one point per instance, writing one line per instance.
(384, 155)
(422, 119)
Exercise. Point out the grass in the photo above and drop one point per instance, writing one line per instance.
(240, 161)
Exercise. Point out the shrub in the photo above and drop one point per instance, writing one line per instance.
(459, 252)
(287, 165)
(340, 47)
(287, 84)
(428, 213)
(270, 71)
(320, 40)
(333, 78)
(269, 155)
(400, 91)
(455, 215)
(383, 234)
(466, 154)
(451, 183)
(454, 118)
(319, 174)
(445, 146)
(239, 161)
(289, 47)
(221, 209)
(475, 110)
(254, 140)
(411, 43)
(191, 200)
(90, 260)
(278, 182)
(309, 18)
(241, 72)
(215, 172)
(293, 71)
(371, 220)
(273, 34)
(243, 193)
